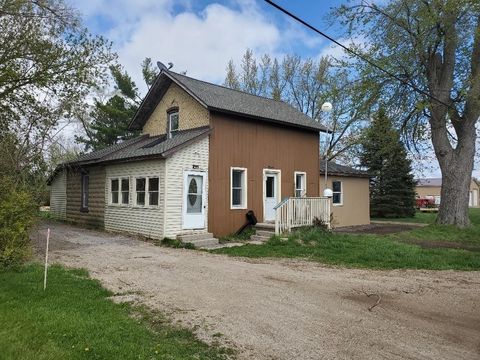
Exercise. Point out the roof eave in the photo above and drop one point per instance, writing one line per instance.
(270, 120)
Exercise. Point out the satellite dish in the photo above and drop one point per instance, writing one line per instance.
(170, 65)
(161, 66)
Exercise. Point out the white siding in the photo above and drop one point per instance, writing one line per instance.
(58, 195)
(136, 220)
(193, 157)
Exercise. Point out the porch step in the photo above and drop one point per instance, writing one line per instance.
(259, 238)
(265, 226)
(191, 237)
(267, 233)
(199, 240)
(205, 243)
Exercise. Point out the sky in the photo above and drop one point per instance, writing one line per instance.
(201, 36)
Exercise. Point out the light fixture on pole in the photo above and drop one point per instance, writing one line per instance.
(327, 107)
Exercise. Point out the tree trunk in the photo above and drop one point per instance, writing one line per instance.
(456, 166)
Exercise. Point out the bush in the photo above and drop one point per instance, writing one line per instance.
(17, 215)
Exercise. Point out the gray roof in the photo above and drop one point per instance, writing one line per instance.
(141, 147)
(429, 182)
(225, 100)
(341, 170)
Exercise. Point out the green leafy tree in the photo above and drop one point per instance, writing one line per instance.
(392, 188)
(433, 45)
(107, 124)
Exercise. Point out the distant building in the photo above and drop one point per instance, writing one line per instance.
(431, 188)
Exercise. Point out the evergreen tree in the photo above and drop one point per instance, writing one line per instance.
(392, 188)
(109, 120)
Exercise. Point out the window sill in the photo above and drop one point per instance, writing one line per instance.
(337, 204)
(238, 207)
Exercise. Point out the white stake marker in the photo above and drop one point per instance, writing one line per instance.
(46, 261)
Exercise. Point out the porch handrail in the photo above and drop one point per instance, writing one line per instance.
(301, 211)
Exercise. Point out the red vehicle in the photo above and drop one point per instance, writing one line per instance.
(425, 203)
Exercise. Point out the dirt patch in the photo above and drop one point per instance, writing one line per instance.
(381, 229)
(436, 244)
(286, 309)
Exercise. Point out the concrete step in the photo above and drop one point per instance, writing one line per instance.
(185, 238)
(265, 226)
(259, 238)
(265, 233)
(202, 243)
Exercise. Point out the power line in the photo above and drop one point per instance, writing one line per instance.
(353, 52)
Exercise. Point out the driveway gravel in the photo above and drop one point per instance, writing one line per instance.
(284, 309)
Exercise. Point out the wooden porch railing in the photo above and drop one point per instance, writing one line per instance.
(297, 212)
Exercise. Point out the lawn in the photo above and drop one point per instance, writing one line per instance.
(420, 217)
(74, 319)
(422, 248)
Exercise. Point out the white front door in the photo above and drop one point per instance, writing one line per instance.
(194, 200)
(271, 191)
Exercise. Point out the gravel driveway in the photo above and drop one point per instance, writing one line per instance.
(286, 309)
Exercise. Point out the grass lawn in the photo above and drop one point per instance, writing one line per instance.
(395, 251)
(74, 319)
(420, 217)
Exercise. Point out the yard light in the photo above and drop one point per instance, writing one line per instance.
(328, 193)
(327, 107)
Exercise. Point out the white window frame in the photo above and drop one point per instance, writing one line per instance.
(338, 192)
(170, 131)
(244, 204)
(304, 189)
(147, 191)
(119, 178)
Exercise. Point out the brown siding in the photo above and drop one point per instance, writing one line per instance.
(96, 197)
(424, 191)
(355, 209)
(255, 145)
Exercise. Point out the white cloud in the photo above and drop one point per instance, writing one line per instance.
(200, 42)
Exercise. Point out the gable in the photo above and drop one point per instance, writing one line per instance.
(191, 113)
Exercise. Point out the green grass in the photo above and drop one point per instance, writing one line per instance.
(393, 251)
(74, 319)
(420, 217)
(245, 235)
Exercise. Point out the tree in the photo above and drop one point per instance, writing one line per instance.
(107, 124)
(392, 188)
(306, 84)
(49, 63)
(433, 49)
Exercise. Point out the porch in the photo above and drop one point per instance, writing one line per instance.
(295, 212)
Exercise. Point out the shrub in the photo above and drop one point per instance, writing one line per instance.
(17, 215)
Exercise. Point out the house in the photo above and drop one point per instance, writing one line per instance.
(431, 188)
(351, 196)
(206, 155)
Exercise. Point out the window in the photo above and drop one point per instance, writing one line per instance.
(337, 193)
(238, 182)
(85, 180)
(120, 191)
(300, 184)
(153, 191)
(114, 188)
(172, 123)
(147, 191)
(125, 191)
(140, 187)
